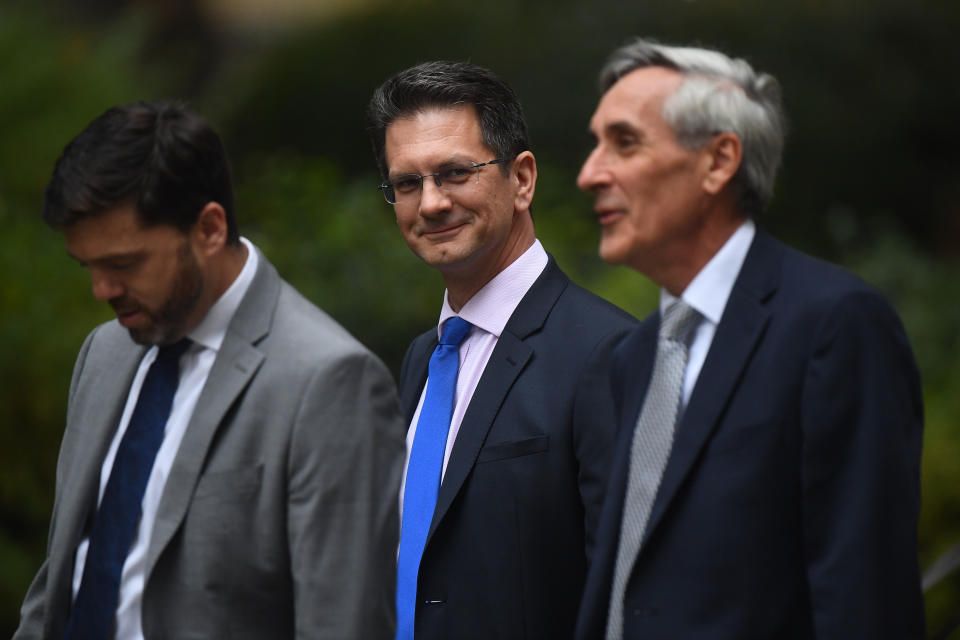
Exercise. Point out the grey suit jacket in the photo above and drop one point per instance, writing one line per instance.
(279, 517)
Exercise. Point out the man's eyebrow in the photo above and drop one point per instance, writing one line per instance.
(621, 127)
(452, 160)
(120, 255)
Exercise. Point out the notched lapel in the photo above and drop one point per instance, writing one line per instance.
(235, 366)
(738, 334)
(98, 406)
(640, 346)
(508, 359)
(412, 383)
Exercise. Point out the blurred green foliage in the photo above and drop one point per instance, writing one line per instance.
(870, 178)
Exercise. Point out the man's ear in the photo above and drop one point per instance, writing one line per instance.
(210, 231)
(524, 175)
(723, 154)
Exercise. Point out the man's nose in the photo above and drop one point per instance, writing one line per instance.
(105, 287)
(433, 199)
(593, 173)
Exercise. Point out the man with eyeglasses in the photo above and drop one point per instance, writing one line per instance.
(506, 399)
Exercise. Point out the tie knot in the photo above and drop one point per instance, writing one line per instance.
(455, 329)
(678, 319)
(172, 352)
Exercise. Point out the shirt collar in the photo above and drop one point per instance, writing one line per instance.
(491, 307)
(710, 289)
(213, 328)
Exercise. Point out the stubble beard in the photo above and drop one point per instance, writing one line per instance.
(168, 323)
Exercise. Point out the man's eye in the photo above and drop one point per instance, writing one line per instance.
(456, 174)
(407, 184)
(122, 265)
(625, 142)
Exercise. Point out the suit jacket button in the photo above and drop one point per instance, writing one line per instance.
(645, 612)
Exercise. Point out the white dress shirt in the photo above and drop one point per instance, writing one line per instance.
(488, 311)
(708, 293)
(195, 366)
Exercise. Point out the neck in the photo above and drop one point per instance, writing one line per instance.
(463, 283)
(219, 274)
(228, 268)
(676, 274)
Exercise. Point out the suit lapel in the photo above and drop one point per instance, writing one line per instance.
(415, 374)
(236, 363)
(507, 361)
(629, 383)
(641, 346)
(743, 323)
(98, 405)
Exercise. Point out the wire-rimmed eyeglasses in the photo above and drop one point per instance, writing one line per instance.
(449, 176)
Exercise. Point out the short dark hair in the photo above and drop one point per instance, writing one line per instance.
(160, 157)
(447, 84)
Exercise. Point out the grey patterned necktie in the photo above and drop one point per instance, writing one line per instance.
(652, 441)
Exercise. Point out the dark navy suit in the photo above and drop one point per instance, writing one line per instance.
(789, 505)
(506, 555)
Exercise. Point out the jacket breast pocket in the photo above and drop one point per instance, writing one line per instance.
(229, 484)
(513, 449)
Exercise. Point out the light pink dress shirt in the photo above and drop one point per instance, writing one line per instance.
(488, 311)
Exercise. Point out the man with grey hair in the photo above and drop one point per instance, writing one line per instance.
(766, 481)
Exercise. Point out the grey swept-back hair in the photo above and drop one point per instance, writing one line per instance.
(719, 94)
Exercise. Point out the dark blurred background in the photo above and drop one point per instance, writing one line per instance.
(871, 177)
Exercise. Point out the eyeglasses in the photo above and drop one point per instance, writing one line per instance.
(451, 176)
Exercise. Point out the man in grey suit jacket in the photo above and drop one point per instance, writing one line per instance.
(270, 508)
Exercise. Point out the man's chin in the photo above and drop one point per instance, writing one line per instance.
(141, 337)
(149, 336)
(611, 253)
(446, 257)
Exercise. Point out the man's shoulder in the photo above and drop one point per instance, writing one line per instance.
(110, 339)
(108, 356)
(592, 309)
(800, 271)
(300, 326)
(814, 297)
(816, 283)
(425, 341)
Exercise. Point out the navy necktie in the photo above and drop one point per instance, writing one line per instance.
(115, 523)
(424, 468)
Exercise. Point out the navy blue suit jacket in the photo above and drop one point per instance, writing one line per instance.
(506, 555)
(789, 505)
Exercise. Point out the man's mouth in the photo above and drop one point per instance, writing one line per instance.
(442, 232)
(606, 216)
(128, 317)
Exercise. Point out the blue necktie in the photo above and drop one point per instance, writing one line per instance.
(424, 467)
(116, 520)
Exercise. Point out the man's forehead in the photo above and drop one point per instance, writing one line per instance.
(114, 232)
(431, 133)
(639, 91)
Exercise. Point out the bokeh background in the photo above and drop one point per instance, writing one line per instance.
(871, 177)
